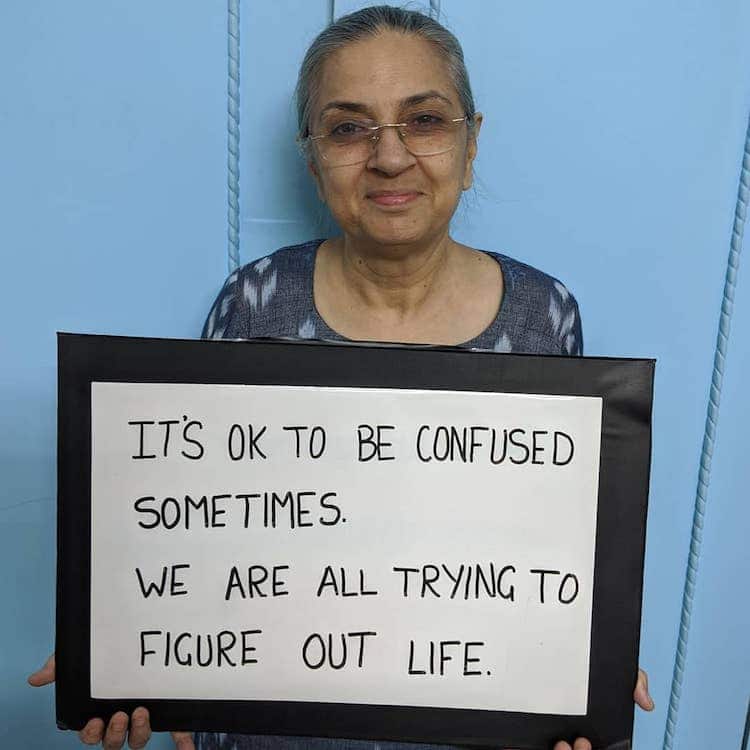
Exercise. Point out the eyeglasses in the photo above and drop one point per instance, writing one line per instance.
(353, 141)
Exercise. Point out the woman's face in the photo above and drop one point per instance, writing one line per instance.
(393, 198)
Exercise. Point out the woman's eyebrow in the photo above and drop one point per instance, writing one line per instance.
(410, 101)
(349, 106)
(423, 97)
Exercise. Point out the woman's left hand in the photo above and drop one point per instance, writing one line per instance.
(640, 696)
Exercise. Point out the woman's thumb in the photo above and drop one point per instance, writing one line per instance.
(45, 675)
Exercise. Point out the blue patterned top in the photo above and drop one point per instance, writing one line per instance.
(273, 297)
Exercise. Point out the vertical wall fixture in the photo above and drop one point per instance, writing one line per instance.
(233, 135)
(709, 436)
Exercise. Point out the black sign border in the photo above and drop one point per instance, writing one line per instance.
(626, 387)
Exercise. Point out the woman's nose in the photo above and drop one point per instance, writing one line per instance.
(389, 152)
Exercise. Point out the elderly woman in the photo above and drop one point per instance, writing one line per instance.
(389, 129)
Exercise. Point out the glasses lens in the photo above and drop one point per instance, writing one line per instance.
(347, 142)
(429, 133)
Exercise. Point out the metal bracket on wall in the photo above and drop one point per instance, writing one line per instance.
(233, 135)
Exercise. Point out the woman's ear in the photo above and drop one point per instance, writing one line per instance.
(471, 150)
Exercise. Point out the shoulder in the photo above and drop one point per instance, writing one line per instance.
(256, 298)
(539, 310)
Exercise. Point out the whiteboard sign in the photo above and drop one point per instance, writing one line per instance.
(333, 544)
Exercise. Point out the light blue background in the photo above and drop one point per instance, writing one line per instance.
(609, 157)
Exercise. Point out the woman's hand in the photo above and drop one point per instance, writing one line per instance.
(114, 735)
(640, 696)
(140, 728)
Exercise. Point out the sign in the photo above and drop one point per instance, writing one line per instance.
(316, 541)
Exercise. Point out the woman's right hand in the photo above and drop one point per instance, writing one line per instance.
(114, 735)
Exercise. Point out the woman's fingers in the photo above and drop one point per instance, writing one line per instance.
(641, 694)
(92, 733)
(114, 738)
(117, 731)
(45, 675)
(140, 729)
(579, 744)
(183, 740)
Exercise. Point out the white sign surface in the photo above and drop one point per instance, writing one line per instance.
(354, 545)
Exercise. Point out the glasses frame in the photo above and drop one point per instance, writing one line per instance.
(374, 138)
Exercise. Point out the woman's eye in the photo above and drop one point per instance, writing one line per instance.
(426, 121)
(347, 129)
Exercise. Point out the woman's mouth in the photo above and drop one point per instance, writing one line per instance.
(392, 198)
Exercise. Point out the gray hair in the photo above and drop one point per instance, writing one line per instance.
(366, 23)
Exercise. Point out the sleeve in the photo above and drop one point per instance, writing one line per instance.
(565, 321)
(573, 344)
(225, 316)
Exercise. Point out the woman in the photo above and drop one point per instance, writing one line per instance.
(389, 129)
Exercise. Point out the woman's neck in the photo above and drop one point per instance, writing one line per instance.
(393, 279)
(442, 293)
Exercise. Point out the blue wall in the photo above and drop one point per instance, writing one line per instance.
(609, 157)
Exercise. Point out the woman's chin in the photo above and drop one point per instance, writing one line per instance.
(395, 233)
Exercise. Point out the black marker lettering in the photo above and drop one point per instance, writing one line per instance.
(192, 441)
(475, 442)
(252, 443)
(328, 580)
(167, 423)
(186, 661)
(209, 647)
(329, 506)
(515, 443)
(406, 572)
(247, 648)
(234, 582)
(247, 498)
(236, 442)
(144, 651)
(362, 634)
(296, 429)
(314, 638)
(542, 572)
(455, 580)
(560, 596)
(537, 449)
(411, 669)
(141, 438)
(371, 439)
(420, 455)
(201, 504)
(557, 450)
(256, 574)
(470, 659)
(221, 648)
(321, 437)
(140, 504)
(494, 457)
(510, 592)
(429, 579)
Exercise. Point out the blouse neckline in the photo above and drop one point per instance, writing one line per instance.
(492, 331)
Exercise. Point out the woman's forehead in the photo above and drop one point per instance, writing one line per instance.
(384, 70)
